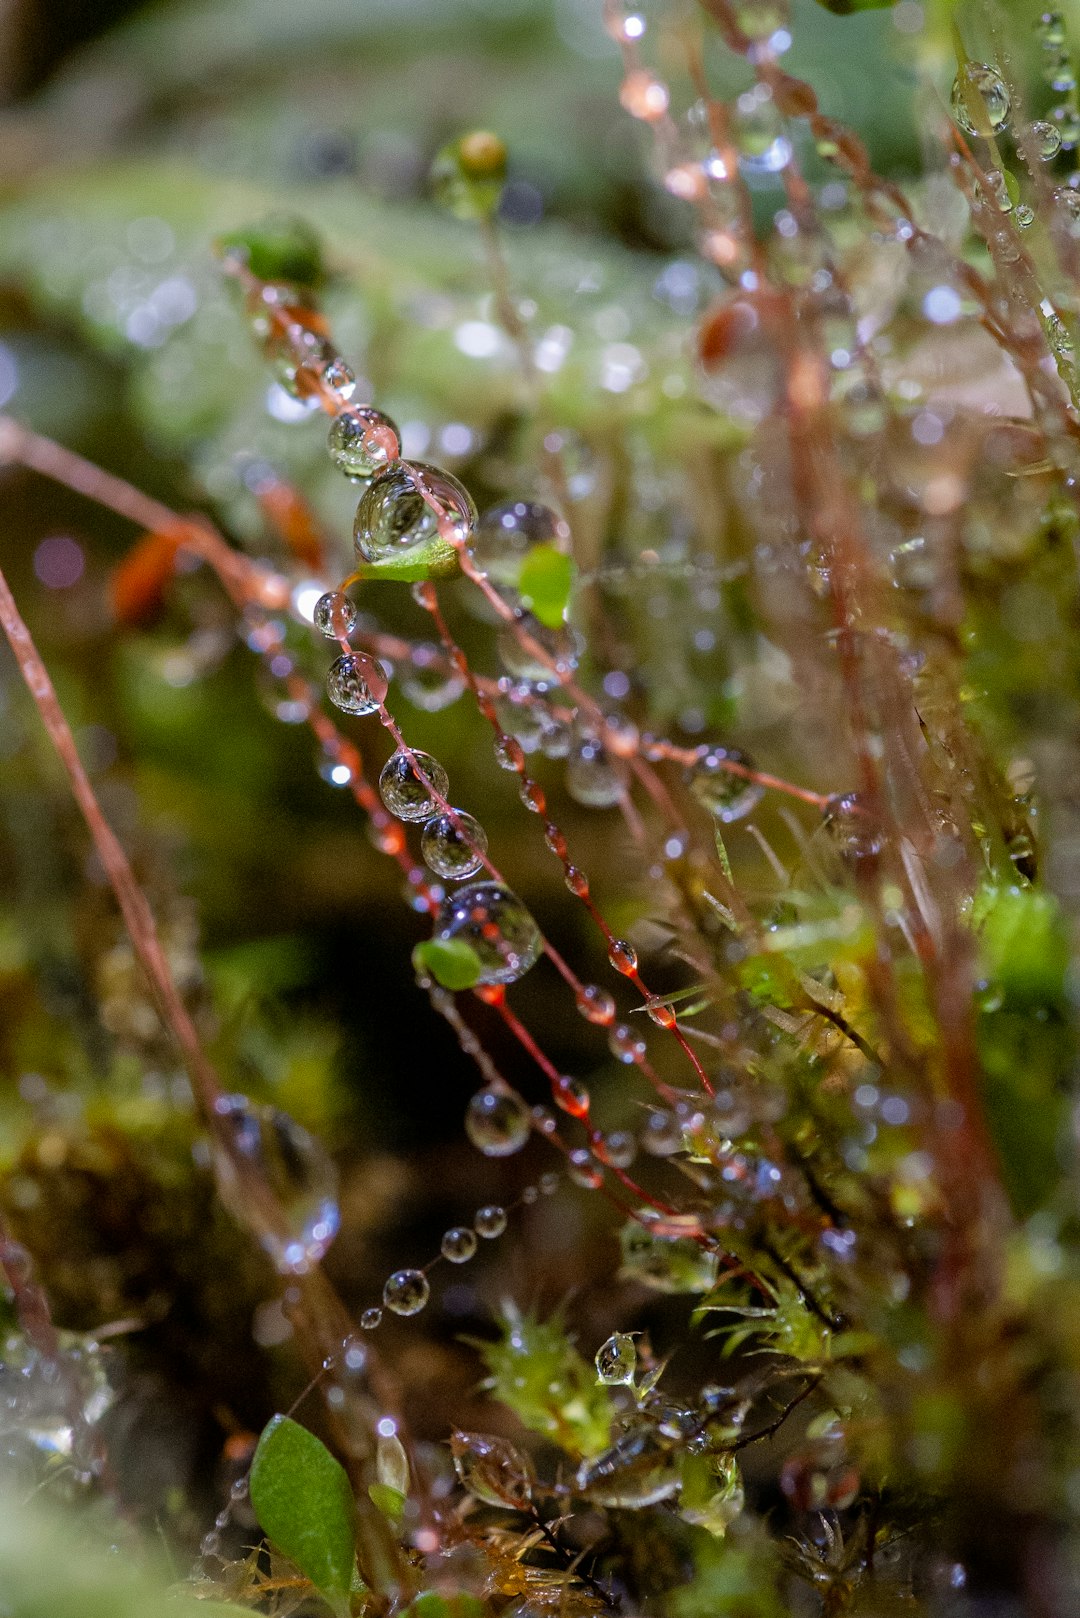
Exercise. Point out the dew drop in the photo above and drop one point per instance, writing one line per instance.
(623, 957)
(596, 1005)
(576, 881)
(363, 442)
(355, 684)
(497, 1122)
(616, 1360)
(509, 753)
(371, 1319)
(625, 1044)
(292, 1165)
(1047, 138)
(394, 518)
(980, 99)
(496, 924)
(583, 1169)
(453, 845)
(405, 782)
(490, 1221)
(619, 1148)
(591, 777)
(458, 1244)
(506, 533)
(571, 1094)
(662, 1134)
(406, 1292)
(335, 615)
(720, 790)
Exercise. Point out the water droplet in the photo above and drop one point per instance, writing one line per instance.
(548, 1183)
(1050, 29)
(428, 684)
(406, 1292)
(458, 1244)
(393, 517)
(490, 1221)
(363, 442)
(764, 147)
(562, 649)
(626, 1045)
(1047, 139)
(509, 753)
(492, 1470)
(596, 1005)
(494, 921)
(639, 1469)
(576, 881)
(980, 99)
(571, 1094)
(506, 533)
(720, 790)
(623, 957)
(616, 1360)
(405, 782)
(292, 1165)
(643, 95)
(453, 845)
(591, 777)
(1024, 216)
(855, 834)
(584, 1170)
(497, 1122)
(356, 684)
(338, 378)
(662, 1134)
(371, 1319)
(619, 1148)
(334, 615)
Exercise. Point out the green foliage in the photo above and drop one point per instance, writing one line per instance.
(730, 1581)
(535, 1369)
(304, 1503)
(451, 961)
(278, 250)
(545, 581)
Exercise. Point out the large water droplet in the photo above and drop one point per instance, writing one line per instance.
(1047, 138)
(363, 442)
(406, 1292)
(334, 615)
(592, 778)
(356, 684)
(296, 1170)
(458, 1245)
(492, 1470)
(393, 517)
(980, 99)
(453, 845)
(638, 1470)
(507, 532)
(720, 790)
(616, 1360)
(497, 1122)
(496, 924)
(405, 782)
(490, 1221)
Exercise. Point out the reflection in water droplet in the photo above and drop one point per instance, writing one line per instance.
(267, 1149)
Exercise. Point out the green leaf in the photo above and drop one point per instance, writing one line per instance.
(545, 581)
(280, 249)
(436, 1604)
(451, 962)
(304, 1503)
(390, 1501)
(436, 560)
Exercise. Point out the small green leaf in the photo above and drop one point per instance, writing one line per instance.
(304, 1503)
(390, 1501)
(436, 560)
(451, 962)
(545, 581)
(434, 1604)
(279, 249)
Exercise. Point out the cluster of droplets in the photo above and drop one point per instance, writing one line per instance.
(294, 338)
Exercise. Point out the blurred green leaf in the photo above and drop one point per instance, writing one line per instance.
(304, 1503)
